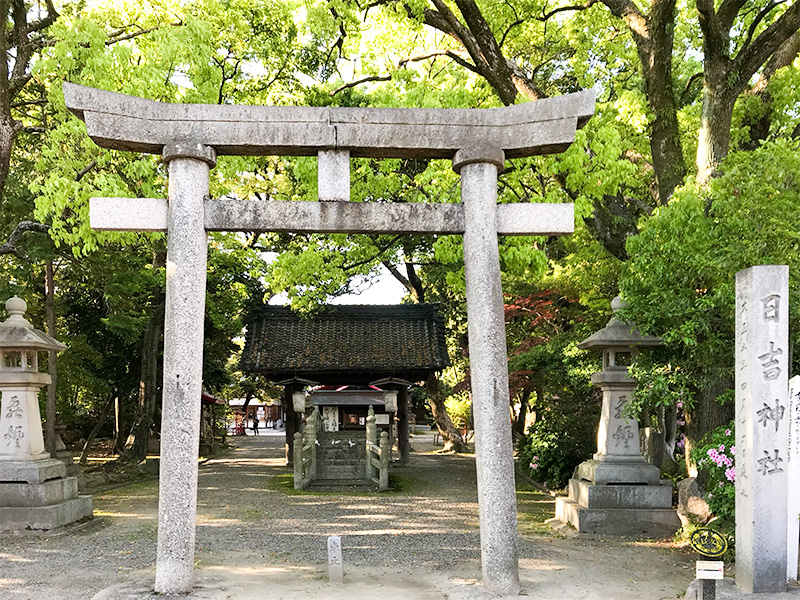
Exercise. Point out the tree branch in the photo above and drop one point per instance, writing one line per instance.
(750, 58)
(380, 251)
(727, 12)
(82, 173)
(684, 99)
(360, 81)
(546, 15)
(451, 54)
(10, 245)
(760, 17)
(398, 275)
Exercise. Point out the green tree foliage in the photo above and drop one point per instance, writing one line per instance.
(680, 279)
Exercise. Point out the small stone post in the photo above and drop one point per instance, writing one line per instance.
(478, 166)
(385, 452)
(372, 438)
(762, 352)
(335, 560)
(298, 461)
(189, 166)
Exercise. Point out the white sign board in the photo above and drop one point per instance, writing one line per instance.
(381, 419)
(709, 569)
(793, 467)
(330, 418)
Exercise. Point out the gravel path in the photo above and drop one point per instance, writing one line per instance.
(255, 540)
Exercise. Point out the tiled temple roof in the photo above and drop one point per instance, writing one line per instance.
(346, 343)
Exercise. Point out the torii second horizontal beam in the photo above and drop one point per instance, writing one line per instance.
(150, 214)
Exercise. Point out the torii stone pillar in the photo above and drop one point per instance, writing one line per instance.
(189, 137)
(494, 454)
(189, 165)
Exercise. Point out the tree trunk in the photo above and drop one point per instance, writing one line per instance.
(665, 143)
(667, 424)
(119, 432)
(519, 423)
(453, 442)
(706, 414)
(136, 446)
(102, 419)
(715, 129)
(50, 410)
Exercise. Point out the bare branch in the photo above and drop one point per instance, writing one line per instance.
(546, 15)
(508, 30)
(398, 275)
(687, 89)
(451, 54)
(82, 173)
(10, 245)
(728, 11)
(113, 40)
(760, 17)
(360, 81)
(366, 261)
(751, 57)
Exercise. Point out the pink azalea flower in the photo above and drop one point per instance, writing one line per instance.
(730, 474)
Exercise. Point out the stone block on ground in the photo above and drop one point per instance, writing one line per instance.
(50, 492)
(727, 590)
(647, 522)
(45, 517)
(692, 506)
(620, 496)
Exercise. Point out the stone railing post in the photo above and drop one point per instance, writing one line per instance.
(312, 427)
(298, 461)
(372, 438)
(385, 453)
(478, 166)
(189, 165)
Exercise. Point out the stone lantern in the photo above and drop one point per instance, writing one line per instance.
(34, 492)
(617, 492)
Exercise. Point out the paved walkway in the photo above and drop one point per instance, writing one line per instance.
(257, 539)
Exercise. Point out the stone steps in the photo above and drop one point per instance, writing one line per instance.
(338, 485)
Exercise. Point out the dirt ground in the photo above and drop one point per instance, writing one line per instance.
(256, 539)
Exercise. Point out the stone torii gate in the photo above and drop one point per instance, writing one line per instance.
(190, 136)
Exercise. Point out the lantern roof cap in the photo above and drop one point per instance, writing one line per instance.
(618, 334)
(16, 332)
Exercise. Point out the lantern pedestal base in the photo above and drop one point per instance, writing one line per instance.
(648, 522)
(35, 494)
(619, 498)
(45, 517)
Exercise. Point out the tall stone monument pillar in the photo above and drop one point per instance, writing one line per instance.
(189, 166)
(762, 368)
(478, 167)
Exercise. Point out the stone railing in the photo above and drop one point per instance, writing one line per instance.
(377, 454)
(305, 452)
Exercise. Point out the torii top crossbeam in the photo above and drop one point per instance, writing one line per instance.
(125, 122)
